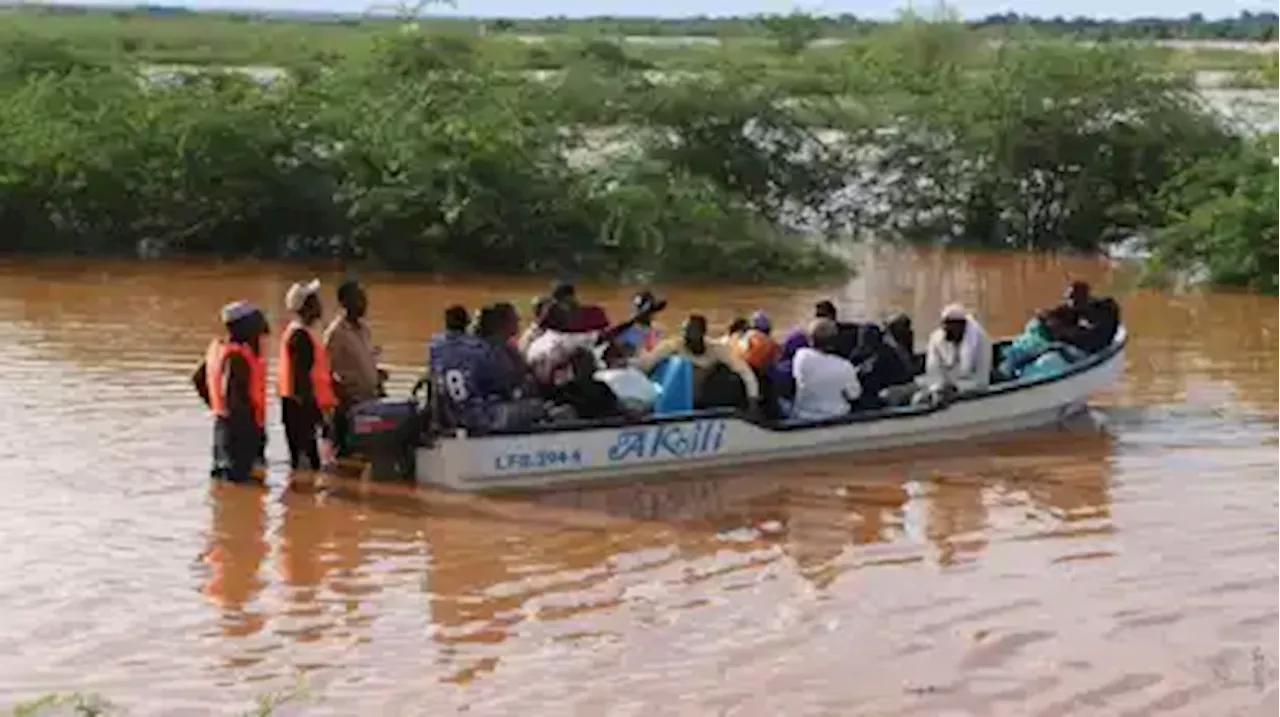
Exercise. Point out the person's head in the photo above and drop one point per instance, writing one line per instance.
(554, 317)
(737, 326)
(760, 322)
(822, 334)
(954, 321)
(456, 319)
(824, 310)
(1077, 294)
(614, 355)
(244, 322)
(564, 292)
(487, 323)
(899, 327)
(352, 299)
(508, 319)
(695, 333)
(303, 300)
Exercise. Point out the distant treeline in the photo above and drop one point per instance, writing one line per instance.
(1246, 26)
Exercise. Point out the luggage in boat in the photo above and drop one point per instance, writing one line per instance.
(384, 432)
(674, 377)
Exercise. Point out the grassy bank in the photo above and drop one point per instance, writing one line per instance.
(423, 150)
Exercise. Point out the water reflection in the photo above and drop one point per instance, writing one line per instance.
(233, 558)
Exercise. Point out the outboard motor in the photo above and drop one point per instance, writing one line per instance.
(386, 432)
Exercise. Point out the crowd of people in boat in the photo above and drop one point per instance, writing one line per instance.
(571, 362)
(487, 373)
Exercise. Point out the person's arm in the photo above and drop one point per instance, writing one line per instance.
(200, 380)
(236, 389)
(666, 348)
(740, 367)
(980, 376)
(852, 389)
(527, 338)
(337, 344)
(613, 332)
(302, 358)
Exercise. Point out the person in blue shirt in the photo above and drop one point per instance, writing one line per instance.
(464, 374)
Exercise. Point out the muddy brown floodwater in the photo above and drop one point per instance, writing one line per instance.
(1127, 571)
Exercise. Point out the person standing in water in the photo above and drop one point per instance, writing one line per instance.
(305, 382)
(232, 384)
(353, 358)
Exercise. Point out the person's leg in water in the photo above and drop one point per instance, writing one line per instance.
(235, 450)
(300, 433)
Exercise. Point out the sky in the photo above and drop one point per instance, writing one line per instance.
(1118, 9)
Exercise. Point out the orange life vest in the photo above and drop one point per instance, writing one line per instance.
(321, 374)
(215, 362)
(757, 349)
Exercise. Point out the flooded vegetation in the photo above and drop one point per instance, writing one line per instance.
(425, 150)
(1125, 565)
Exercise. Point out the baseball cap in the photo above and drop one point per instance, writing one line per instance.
(298, 293)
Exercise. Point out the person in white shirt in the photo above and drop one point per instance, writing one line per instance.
(826, 383)
(958, 355)
(636, 393)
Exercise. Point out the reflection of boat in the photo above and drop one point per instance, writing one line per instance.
(558, 454)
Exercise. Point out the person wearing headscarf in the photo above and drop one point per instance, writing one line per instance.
(880, 367)
(958, 355)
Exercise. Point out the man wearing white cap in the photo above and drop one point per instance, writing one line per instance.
(958, 355)
(304, 379)
(231, 381)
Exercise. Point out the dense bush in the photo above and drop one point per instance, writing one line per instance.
(426, 151)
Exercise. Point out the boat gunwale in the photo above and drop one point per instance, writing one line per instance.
(897, 412)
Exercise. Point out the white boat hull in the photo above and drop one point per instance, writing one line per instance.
(544, 460)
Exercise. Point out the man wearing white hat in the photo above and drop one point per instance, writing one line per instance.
(958, 355)
(231, 381)
(304, 379)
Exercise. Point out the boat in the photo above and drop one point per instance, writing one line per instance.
(561, 454)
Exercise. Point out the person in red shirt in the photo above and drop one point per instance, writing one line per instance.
(582, 317)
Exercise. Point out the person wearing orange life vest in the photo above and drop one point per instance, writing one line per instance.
(231, 382)
(304, 378)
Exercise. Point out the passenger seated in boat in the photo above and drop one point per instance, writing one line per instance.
(582, 317)
(496, 325)
(847, 333)
(1041, 349)
(1095, 321)
(642, 335)
(958, 356)
(549, 354)
(881, 368)
(900, 336)
(633, 389)
(827, 383)
(755, 345)
(710, 360)
(781, 382)
(466, 379)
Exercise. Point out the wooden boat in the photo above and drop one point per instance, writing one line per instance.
(576, 453)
